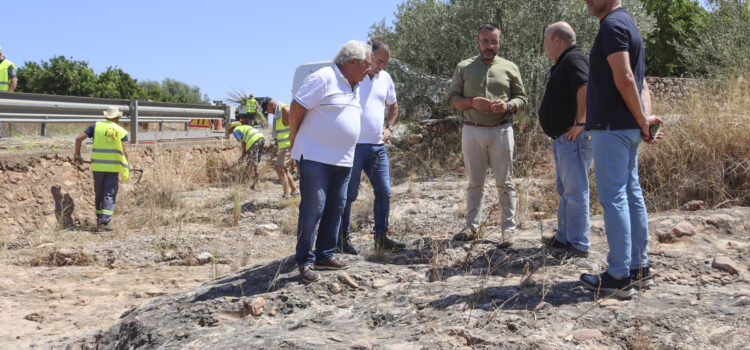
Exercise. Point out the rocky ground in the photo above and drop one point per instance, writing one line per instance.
(190, 279)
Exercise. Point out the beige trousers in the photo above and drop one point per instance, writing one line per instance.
(493, 146)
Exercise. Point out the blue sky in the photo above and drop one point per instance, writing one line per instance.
(217, 45)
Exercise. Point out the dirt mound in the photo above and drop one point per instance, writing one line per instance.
(443, 294)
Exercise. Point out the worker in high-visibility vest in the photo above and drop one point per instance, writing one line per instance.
(280, 113)
(252, 141)
(108, 160)
(8, 78)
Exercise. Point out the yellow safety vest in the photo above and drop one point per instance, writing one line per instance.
(251, 105)
(282, 131)
(4, 77)
(107, 155)
(249, 135)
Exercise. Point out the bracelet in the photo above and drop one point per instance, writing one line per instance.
(580, 124)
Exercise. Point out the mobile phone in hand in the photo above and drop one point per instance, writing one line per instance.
(652, 129)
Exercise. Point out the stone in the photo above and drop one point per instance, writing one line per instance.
(204, 258)
(723, 263)
(360, 345)
(267, 229)
(255, 307)
(414, 139)
(665, 237)
(335, 288)
(694, 205)
(379, 283)
(539, 215)
(34, 317)
(586, 334)
(609, 302)
(682, 229)
(347, 280)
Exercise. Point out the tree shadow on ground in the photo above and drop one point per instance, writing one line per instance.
(255, 280)
(512, 298)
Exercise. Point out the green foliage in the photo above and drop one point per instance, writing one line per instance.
(62, 76)
(59, 76)
(433, 36)
(723, 46)
(677, 21)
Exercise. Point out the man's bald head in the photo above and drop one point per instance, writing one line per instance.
(562, 30)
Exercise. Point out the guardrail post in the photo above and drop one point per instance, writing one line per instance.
(43, 132)
(134, 121)
(227, 116)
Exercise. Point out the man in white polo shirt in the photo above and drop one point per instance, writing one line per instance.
(375, 92)
(324, 127)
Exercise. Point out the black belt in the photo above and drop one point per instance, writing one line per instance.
(484, 125)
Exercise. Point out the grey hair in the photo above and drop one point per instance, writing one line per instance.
(352, 49)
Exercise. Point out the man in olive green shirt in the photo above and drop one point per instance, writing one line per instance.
(487, 90)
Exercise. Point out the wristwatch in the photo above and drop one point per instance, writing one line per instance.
(390, 128)
(580, 124)
(510, 107)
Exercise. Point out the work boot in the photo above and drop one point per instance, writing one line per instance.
(466, 234)
(552, 242)
(103, 228)
(506, 240)
(344, 244)
(333, 264)
(385, 244)
(307, 274)
(570, 252)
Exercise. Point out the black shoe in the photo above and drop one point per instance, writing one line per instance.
(345, 246)
(552, 242)
(642, 277)
(386, 244)
(570, 252)
(607, 285)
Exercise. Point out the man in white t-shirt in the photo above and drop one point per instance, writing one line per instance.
(376, 92)
(324, 127)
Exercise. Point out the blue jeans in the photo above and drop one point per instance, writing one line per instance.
(572, 164)
(373, 159)
(323, 190)
(625, 216)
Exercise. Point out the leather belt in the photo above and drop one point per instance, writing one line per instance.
(483, 125)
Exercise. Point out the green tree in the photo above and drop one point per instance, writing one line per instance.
(433, 36)
(115, 83)
(170, 90)
(676, 21)
(723, 46)
(58, 76)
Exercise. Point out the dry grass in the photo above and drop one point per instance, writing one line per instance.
(705, 153)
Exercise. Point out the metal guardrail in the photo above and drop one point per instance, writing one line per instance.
(41, 108)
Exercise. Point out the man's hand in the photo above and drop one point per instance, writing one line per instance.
(78, 159)
(647, 122)
(386, 135)
(573, 132)
(499, 106)
(481, 103)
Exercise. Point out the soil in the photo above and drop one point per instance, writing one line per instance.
(148, 283)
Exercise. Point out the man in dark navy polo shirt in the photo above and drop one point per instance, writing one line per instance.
(562, 115)
(618, 109)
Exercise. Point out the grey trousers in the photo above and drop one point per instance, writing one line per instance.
(493, 146)
(105, 189)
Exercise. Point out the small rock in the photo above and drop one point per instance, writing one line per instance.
(361, 345)
(336, 339)
(379, 283)
(665, 237)
(204, 258)
(272, 312)
(539, 215)
(255, 307)
(694, 205)
(683, 228)
(586, 333)
(541, 305)
(34, 317)
(609, 302)
(347, 280)
(414, 139)
(723, 263)
(267, 229)
(335, 288)
(742, 301)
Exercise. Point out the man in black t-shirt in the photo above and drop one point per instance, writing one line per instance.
(562, 115)
(618, 108)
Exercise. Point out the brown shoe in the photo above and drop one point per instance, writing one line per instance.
(307, 274)
(333, 264)
(467, 234)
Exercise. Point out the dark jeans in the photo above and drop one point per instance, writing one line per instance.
(323, 190)
(373, 159)
(105, 189)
